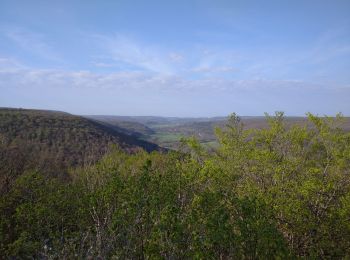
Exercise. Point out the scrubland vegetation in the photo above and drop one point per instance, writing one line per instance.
(279, 192)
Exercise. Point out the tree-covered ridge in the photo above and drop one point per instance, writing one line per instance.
(51, 141)
(281, 192)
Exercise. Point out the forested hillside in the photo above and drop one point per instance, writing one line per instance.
(126, 126)
(281, 192)
(52, 141)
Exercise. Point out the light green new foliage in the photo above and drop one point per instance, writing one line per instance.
(281, 192)
(302, 174)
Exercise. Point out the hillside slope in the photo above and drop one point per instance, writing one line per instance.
(127, 125)
(52, 141)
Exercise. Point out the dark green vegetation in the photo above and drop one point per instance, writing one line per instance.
(51, 142)
(277, 192)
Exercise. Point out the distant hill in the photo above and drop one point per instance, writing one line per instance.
(167, 131)
(53, 141)
(155, 121)
(124, 125)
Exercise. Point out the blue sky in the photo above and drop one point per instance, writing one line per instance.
(176, 58)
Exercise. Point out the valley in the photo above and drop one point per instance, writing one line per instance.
(168, 132)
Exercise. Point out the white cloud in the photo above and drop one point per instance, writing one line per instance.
(14, 75)
(143, 93)
(103, 64)
(211, 70)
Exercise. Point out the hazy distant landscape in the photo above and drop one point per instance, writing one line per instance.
(167, 132)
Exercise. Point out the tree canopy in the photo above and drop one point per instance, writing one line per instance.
(281, 192)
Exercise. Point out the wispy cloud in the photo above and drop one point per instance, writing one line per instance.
(329, 45)
(123, 53)
(102, 64)
(211, 69)
(176, 57)
(140, 92)
(31, 42)
(10, 64)
(127, 52)
(131, 55)
(13, 74)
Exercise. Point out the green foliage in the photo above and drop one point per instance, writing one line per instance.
(278, 192)
(38, 214)
(302, 174)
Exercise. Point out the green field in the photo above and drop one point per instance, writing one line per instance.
(166, 140)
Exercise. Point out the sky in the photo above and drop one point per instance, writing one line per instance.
(187, 58)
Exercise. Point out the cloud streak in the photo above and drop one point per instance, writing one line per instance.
(31, 42)
(126, 52)
(139, 92)
(201, 61)
(130, 54)
(15, 75)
